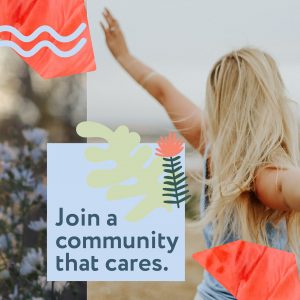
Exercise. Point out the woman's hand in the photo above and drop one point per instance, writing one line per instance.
(114, 36)
(185, 115)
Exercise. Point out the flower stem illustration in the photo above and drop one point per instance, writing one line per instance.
(169, 149)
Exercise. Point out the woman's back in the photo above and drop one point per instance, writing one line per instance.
(210, 288)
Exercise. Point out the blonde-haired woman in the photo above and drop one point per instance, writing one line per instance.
(249, 137)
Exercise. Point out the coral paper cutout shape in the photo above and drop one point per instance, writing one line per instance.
(252, 271)
(52, 36)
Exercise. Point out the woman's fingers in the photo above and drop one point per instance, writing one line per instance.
(112, 22)
(112, 27)
(114, 37)
(104, 28)
(111, 18)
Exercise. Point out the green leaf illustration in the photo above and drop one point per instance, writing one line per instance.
(175, 185)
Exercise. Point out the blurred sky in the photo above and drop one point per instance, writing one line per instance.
(182, 39)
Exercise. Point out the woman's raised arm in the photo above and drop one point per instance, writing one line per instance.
(185, 115)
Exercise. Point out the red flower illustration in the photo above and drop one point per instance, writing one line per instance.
(169, 146)
(251, 271)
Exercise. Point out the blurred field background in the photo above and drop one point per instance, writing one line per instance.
(28, 101)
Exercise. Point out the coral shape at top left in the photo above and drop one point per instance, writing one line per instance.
(53, 37)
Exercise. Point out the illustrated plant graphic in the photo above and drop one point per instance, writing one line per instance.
(176, 189)
(130, 157)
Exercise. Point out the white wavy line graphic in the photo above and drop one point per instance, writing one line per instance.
(40, 30)
(44, 44)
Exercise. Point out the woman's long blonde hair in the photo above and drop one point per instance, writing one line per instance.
(250, 125)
